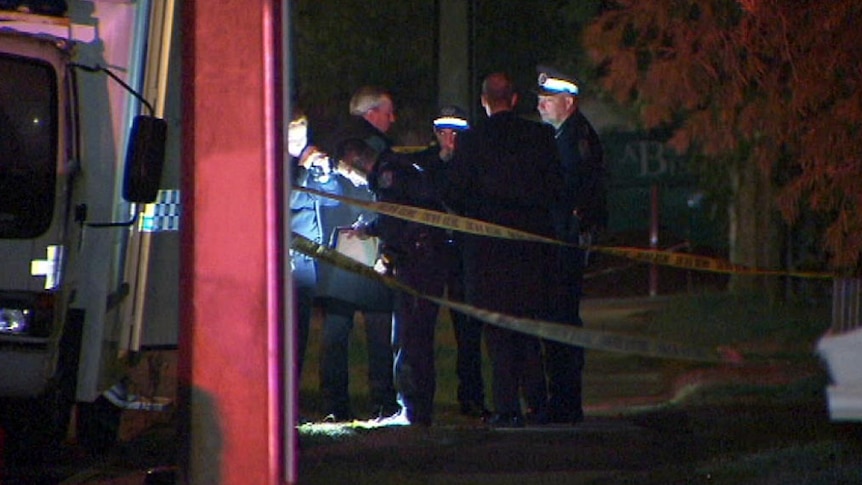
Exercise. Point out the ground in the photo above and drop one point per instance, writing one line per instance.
(648, 420)
(764, 421)
(731, 443)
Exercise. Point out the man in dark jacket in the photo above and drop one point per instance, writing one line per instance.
(583, 212)
(506, 171)
(344, 293)
(416, 255)
(419, 256)
(450, 123)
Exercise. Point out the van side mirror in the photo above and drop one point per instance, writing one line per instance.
(145, 158)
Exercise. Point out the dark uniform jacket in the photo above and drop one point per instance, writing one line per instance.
(408, 179)
(334, 283)
(584, 175)
(507, 171)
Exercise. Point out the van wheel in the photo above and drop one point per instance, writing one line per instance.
(36, 428)
(98, 425)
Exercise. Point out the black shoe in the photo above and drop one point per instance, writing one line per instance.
(537, 417)
(506, 420)
(566, 417)
(475, 410)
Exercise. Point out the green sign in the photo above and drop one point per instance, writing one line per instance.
(642, 167)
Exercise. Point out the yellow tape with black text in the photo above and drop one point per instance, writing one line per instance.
(473, 226)
(592, 339)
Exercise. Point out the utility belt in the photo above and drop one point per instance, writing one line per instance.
(425, 244)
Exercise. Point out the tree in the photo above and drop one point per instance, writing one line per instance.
(393, 43)
(769, 87)
(389, 44)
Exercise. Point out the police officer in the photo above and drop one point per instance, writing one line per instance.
(451, 122)
(582, 213)
(419, 256)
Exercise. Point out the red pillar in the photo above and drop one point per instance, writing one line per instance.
(231, 302)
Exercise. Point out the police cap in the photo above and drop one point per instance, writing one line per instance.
(552, 82)
(451, 117)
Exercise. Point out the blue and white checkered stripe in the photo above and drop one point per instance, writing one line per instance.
(163, 214)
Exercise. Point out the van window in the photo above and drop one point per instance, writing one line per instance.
(28, 146)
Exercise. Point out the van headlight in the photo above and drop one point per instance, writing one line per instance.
(15, 321)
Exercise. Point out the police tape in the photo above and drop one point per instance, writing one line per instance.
(567, 334)
(439, 219)
(468, 225)
(698, 263)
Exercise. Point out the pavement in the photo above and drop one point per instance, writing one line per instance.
(647, 423)
(657, 383)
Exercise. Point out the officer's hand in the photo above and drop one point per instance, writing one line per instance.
(306, 157)
(320, 160)
(357, 178)
(358, 230)
(380, 266)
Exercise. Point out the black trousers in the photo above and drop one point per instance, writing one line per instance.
(303, 299)
(468, 362)
(564, 363)
(334, 363)
(468, 337)
(516, 370)
(413, 329)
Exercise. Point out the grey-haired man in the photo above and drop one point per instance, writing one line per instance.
(583, 211)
